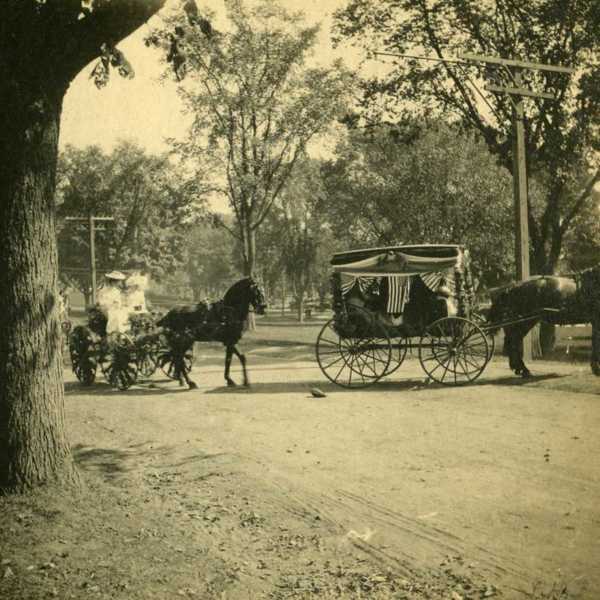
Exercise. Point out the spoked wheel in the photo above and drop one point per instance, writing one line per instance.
(353, 351)
(454, 351)
(146, 362)
(120, 364)
(147, 358)
(83, 359)
(166, 362)
(397, 356)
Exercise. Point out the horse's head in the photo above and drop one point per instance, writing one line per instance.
(257, 297)
(246, 293)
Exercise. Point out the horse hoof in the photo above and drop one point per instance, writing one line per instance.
(192, 386)
(525, 373)
(231, 383)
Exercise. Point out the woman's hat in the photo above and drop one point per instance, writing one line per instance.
(116, 275)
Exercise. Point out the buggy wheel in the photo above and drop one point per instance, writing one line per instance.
(166, 362)
(146, 363)
(353, 361)
(397, 356)
(122, 376)
(83, 359)
(454, 351)
(120, 362)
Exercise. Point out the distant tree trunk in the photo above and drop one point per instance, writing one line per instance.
(300, 301)
(33, 445)
(249, 264)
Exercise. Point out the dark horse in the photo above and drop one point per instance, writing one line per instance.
(561, 300)
(222, 321)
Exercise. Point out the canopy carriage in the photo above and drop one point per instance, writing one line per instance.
(387, 300)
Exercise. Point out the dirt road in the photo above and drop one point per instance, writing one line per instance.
(500, 477)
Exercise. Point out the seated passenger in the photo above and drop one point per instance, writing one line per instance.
(110, 301)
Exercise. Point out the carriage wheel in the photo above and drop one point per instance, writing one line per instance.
(166, 362)
(147, 359)
(353, 361)
(122, 376)
(454, 351)
(397, 356)
(83, 360)
(146, 363)
(119, 364)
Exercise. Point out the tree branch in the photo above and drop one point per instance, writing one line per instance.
(109, 22)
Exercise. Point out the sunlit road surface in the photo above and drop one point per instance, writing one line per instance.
(503, 474)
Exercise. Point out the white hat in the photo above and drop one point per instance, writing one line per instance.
(115, 275)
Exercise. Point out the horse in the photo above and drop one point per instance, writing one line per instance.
(557, 299)
(222, 321)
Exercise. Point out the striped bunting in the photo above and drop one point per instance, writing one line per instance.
(398, 292)
(348, 281)
(432, 280)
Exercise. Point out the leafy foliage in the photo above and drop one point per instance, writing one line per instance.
(560, 135)
(255, 104)
(211, 266)
(152, 205)
(297, 231)
(432, 185)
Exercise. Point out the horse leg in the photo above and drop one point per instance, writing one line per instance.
(180, 370)
(228, 356)
(242, 360)
(513, 346)
(510, 350)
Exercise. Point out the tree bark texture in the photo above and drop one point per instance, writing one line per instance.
(43, 45)
(33, 444)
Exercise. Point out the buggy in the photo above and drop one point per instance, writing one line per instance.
(121, 357)
(389, 300)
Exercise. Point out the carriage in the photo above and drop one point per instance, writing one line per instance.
(165, 341)
(121, 357)
(390, 300)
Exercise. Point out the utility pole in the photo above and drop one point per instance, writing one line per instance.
(91, 222)
(517, 93)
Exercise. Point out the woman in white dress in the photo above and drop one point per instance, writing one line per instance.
(110, 300)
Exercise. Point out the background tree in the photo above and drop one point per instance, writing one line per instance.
(559, 134)
(43, 46)
(302, 226)
(152, 205)
(255, 104)
(582, 244)
(409, 185)
(211, 265)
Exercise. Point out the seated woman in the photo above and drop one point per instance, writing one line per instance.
(110, 302)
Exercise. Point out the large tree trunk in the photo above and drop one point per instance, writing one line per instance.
(33, 445)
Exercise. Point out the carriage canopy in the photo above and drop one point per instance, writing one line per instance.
(399, 260)
(434, 264)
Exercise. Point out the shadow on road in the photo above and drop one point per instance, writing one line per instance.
(405, 385)
(74, 388)
(114, 462)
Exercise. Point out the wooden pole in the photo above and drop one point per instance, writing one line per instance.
(91, 225)
(521, 197)
(91, 221)
(520, 187)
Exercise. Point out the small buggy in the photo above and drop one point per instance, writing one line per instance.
(122, 357)
(389, 300)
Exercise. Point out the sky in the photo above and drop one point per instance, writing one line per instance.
(146, 111)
